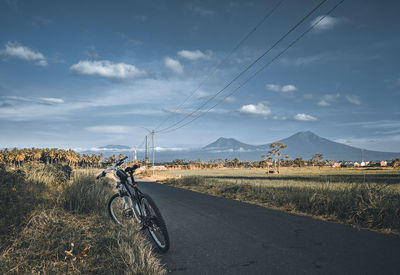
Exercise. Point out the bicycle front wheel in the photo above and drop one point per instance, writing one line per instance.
(155, 223)
(124, 210)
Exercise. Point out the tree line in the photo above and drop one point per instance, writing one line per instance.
(17, 157)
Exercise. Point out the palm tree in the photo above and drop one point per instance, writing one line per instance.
(20, 157)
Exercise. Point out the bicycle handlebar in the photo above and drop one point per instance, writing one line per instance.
(117, 163)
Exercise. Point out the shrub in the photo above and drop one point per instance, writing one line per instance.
(57, 242)
(17, 198)
(83, 194)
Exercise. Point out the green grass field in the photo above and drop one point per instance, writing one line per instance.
(364, 197)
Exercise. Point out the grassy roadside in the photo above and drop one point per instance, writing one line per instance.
(367, 199)
(56, 222)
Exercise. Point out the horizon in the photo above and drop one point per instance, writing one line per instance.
(74, 78)
(109, 147)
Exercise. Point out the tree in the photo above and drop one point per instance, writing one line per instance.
(121, 156)
(298, 162)
(267, 160)
(276, 153)
(235, 162)
(178, 162)
(317, 159)
(396, 163)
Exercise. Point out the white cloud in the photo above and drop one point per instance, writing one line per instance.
(273, 87)
(285, 89)
(109, 129)
(304, 117)
(255, 110)
(327, 100)
(324, 103)
(14, 49)
(279, 117)
(41, 100)
(326, 23)
(193, 55)
(353, 99)
(171, 149)
(107, 69)
(52, 100)
(288, 88)
(42, 63)
(301, 61)
(173, 65)
(139, 97)
(230, 99)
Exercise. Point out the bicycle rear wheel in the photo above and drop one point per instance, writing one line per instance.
(124, 210)
(155, 223)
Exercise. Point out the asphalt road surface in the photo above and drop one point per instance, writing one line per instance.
(211, 235)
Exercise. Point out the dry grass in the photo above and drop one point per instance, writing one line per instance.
(64, 229)
(55, 241)
(363, 198)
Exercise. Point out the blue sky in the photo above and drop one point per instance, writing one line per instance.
(81, 74)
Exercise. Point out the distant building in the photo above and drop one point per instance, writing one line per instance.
(159, 167)
(363, 164)
(337, 165)
(383, 163)
(356, 164)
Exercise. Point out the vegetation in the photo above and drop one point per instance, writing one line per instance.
(17, 157)
(54, 221)
(275, 155)
(368, 198)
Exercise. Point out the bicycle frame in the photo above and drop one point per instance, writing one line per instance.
(145, 211)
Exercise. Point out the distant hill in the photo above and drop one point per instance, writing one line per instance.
(300, 145)
(117, 147)
(228, 144)
(306, 144)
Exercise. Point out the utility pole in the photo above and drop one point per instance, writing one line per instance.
(134, 158)
(146, 158)
(152, 145)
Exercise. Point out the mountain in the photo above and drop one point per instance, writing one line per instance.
(232, 144)
(300, 145)
(116, 147)
(306, 144)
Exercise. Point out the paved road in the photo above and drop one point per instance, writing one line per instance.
(211, 235)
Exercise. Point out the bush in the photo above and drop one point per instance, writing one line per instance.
(57, 242)
(17, 198)
(83, 194)
(69, 235)
(50, 174)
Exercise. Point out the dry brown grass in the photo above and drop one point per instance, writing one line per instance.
(57, 242)
(71, 233)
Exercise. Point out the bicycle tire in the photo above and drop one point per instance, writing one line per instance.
(157, 228)
(123, 210)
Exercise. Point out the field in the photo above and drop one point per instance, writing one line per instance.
(54, 221)
(367, 197)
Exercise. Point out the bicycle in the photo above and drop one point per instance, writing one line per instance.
(131, 205)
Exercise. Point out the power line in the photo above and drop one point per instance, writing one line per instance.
(224, 60)
(262, 68)
(248, 67)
